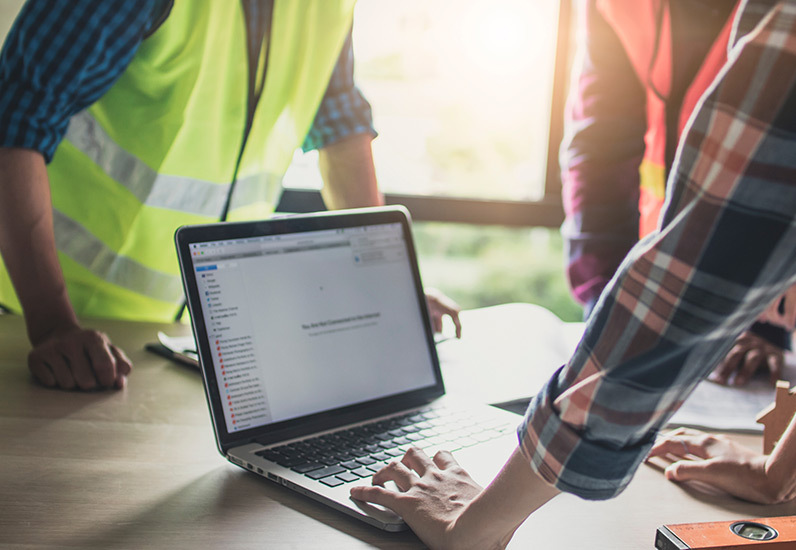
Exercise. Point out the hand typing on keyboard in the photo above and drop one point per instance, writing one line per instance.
(357, 453)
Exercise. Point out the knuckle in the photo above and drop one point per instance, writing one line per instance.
(458, 470)
(412, 452)
(44, 377)
(95, 338)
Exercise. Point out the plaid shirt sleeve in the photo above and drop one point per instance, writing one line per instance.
(59, 58)
(727, 249)
(344, 111)
(600, 157)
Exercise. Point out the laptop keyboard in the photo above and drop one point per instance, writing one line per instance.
(356, 453)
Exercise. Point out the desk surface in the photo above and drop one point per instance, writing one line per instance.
(139, 468)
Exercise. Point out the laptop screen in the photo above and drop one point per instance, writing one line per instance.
(301, 323)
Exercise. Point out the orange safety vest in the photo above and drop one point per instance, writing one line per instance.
(635, 23)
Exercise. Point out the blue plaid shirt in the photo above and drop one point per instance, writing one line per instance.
(60, 57)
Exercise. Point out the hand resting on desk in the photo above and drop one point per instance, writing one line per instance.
(440, 305)
(79, 359)
(752, 352)
(720, 463)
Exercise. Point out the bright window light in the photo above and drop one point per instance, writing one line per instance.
(461, 93)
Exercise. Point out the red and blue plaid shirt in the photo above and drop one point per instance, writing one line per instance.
(726, 250)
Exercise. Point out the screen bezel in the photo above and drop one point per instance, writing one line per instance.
(297, 427)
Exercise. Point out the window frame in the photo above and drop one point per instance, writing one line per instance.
(545, 212)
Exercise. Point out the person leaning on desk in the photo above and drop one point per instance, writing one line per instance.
(725, 251)
(642, 67)
(156, 101)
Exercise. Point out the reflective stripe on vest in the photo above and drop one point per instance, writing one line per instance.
(182, 194)
(159, 149)
(86, 249)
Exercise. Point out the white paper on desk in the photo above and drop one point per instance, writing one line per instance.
(726, 408)
(506, 352)
(183, 345)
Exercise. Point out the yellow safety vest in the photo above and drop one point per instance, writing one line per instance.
(159, 149)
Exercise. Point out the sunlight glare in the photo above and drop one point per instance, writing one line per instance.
(499, 36)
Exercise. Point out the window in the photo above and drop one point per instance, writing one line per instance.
(467, 101)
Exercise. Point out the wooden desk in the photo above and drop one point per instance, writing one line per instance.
(139, 469)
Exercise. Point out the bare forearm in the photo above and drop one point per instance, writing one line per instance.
(493, 516)
(28, 244)
(348, 174)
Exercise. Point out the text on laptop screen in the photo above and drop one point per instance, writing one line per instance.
(307, 322)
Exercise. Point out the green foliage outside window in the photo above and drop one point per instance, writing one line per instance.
(480, 266)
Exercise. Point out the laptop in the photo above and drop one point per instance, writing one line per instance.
(318, 356)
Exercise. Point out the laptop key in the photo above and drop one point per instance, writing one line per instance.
(362, 472)
(380, 456)
(292, 461)
(348, 477)
(375, 467)
(268, 454)
(304, 468)
(345, 456)
(350, 464)
(482, 436)
(323, 472)
(332, 481)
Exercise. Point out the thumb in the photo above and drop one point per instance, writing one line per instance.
(687, 470)
(714, 473)
(729, 477)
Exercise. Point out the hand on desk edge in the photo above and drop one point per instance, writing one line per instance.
(439, 305)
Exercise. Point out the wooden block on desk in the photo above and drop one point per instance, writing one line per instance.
(776, 417)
